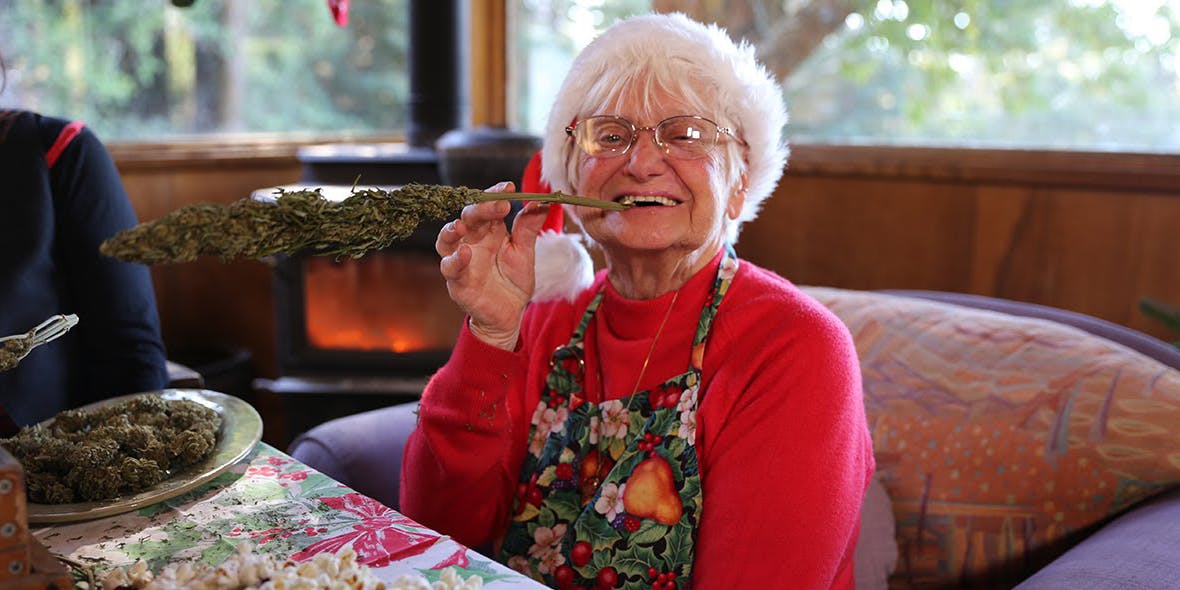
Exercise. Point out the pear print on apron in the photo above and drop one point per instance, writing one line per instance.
(610, 493)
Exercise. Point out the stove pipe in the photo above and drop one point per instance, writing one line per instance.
(438, 100)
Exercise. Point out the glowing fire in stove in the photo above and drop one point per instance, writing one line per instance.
(382, 302)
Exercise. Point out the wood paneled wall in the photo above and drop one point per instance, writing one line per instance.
(1087, 232)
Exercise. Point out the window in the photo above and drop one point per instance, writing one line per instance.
(136, 70)
(1060, 74)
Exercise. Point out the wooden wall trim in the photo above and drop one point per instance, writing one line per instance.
(260, 152)
(1138, 172)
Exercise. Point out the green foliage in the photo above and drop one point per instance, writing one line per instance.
(549, 33)
(1056, 73)
(135, 69)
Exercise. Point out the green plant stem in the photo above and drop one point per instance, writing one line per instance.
(553, 198)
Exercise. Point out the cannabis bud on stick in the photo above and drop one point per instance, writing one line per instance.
(303, 220)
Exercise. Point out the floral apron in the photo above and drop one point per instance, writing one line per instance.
(622, 475)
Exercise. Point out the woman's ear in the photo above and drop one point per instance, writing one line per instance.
(737, 199)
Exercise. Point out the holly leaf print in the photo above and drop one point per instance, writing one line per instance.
(675, 444)
(633, 561)
(649, 532)
(603, 535)
(627, 465)
(679, 545)
(546, 518)
(566, 507)
(691, 487)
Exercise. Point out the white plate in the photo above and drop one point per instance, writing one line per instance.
(241, 429)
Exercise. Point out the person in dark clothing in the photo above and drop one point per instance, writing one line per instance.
(61, 197)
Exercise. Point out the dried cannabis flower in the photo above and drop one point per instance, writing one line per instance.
(13, 350)
(369, 219)
(123, 448)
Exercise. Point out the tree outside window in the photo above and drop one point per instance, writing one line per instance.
(1060, 74)
(136, 70)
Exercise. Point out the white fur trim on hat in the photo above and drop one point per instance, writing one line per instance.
(747, 94)
(563, 267)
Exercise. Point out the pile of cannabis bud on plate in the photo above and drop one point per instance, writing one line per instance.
(12, 350)
(113, 450)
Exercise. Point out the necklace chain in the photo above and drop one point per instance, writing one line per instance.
(652, 348)
(596, 479)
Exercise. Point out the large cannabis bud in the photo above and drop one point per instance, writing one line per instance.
(303, 220)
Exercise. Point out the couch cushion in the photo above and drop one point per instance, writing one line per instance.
(997, 435)
(1135, 552)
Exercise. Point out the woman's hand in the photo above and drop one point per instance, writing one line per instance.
(489, 271)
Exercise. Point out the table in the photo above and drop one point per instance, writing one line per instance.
(284, 508)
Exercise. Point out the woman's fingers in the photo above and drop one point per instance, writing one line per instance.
(454, 264)
(529, 221)
(482, 220)
(447, 240)
(487, 270)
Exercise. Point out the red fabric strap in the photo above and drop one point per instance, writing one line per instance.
(68, 133)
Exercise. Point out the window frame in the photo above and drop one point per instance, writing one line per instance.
(488, 27)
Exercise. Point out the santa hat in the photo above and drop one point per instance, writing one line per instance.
(747, 94)
(562, 265)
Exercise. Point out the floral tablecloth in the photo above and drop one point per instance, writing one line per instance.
(282, 507)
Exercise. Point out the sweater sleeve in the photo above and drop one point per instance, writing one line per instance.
(459, 468)
(786, 454)
(121, 347)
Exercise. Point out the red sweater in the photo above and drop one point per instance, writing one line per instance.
(782, 439)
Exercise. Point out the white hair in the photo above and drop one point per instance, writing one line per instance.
(700, 64)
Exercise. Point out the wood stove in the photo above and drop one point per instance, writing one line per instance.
(386, 314)
(356, 334)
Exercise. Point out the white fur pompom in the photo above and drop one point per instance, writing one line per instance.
(563, 267)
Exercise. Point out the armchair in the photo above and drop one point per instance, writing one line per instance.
(1015, 444)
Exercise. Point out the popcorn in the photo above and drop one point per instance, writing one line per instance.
(246, 570)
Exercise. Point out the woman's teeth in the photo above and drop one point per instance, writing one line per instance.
(645, 200)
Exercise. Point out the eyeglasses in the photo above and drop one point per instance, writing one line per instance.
(685, 137)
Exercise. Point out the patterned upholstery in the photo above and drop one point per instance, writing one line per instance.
(997, 436)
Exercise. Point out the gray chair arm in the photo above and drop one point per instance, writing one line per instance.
(1139, 550)
(362, 451)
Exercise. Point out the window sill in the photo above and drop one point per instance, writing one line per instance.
(226, 151)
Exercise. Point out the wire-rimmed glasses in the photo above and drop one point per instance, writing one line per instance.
(684, 136)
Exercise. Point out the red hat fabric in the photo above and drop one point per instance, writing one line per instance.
(532, 183)
(563, 266)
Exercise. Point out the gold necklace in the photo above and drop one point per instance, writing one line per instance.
(596, 479)
(651, 350)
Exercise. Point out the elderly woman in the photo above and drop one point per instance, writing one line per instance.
(685, 419)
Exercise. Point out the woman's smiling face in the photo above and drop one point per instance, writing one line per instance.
(680, 204)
